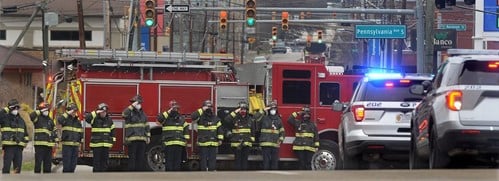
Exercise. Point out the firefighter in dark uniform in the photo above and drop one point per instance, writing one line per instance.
(174, 136)
(137, 134)
(14, 136)
(102, 137)
(306, 137)
(45, 137)
(210, 135)
(271, 135)
(72, 135)
(242, 136)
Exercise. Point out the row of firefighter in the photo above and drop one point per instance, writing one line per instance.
(241, 131)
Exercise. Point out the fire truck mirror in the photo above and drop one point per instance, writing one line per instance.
(338, 106)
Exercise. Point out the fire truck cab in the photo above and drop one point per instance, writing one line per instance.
(113, 77)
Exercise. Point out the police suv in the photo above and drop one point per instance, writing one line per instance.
(459, 117)
(375, 124)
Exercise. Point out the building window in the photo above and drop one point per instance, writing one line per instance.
(69, 35)
(3, 35)
(296, 92)
(329, 92)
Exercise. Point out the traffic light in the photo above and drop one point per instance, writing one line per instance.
(250, 13)
(309, 41)
(274, 33)
(223, 20)
(284, 21)
(150, 13)
(319, 36)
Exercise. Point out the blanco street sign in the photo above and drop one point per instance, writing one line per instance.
(177, 8)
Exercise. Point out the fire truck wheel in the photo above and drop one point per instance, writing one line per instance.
(155, 155)
(327, 157)
(193, 165)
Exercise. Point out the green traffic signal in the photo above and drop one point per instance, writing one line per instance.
(149, 22)
(319, 41)
(250, 22)
(274, 37)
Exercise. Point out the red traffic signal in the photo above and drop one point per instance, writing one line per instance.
(223, 20)
(284, 21)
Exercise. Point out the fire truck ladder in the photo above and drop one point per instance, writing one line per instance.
(113, 58)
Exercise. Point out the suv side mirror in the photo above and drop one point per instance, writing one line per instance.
(338, 106)
(417, 89)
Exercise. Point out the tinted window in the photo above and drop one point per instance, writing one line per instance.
(69, 35)
(479, 73)
(328, 93)
(3, 35)
(296, 74)
(296, 92)
(389, 90)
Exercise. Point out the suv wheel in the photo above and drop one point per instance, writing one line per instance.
(438, 159)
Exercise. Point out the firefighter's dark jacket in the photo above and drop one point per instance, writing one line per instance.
(103, 134)
(209, 127)
(13, 129)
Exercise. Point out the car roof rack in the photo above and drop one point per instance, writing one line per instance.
(456, 52)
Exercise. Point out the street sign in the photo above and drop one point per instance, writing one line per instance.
(250, 30)
(380, 31)
(177, 8)
(457, 27)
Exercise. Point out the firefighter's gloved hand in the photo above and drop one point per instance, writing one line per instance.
(99, 111)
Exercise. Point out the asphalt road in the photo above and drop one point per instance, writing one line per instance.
(384, 175)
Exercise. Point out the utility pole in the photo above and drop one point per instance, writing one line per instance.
(45, 44)
(205, 24)
(107, 24)
(172, 29)
(420, 29)
(401, 42)
(227, 31)
(190, 29)
(81, 25)
(430, 31)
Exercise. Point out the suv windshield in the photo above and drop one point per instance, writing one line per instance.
(389, 90)
(479, 73)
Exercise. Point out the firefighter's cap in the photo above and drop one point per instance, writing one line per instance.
(273, 104)
(306, 108)
(173, 104)
(207, 103)
(71, 107)
(13, 103)
(137, 98)
(242, 105)
(103, 107)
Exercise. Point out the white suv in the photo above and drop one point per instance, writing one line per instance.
(459, 117)
(375, 124)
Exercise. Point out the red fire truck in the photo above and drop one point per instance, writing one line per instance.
(89, 77)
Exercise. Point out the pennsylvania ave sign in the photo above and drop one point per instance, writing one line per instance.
(381, 31)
